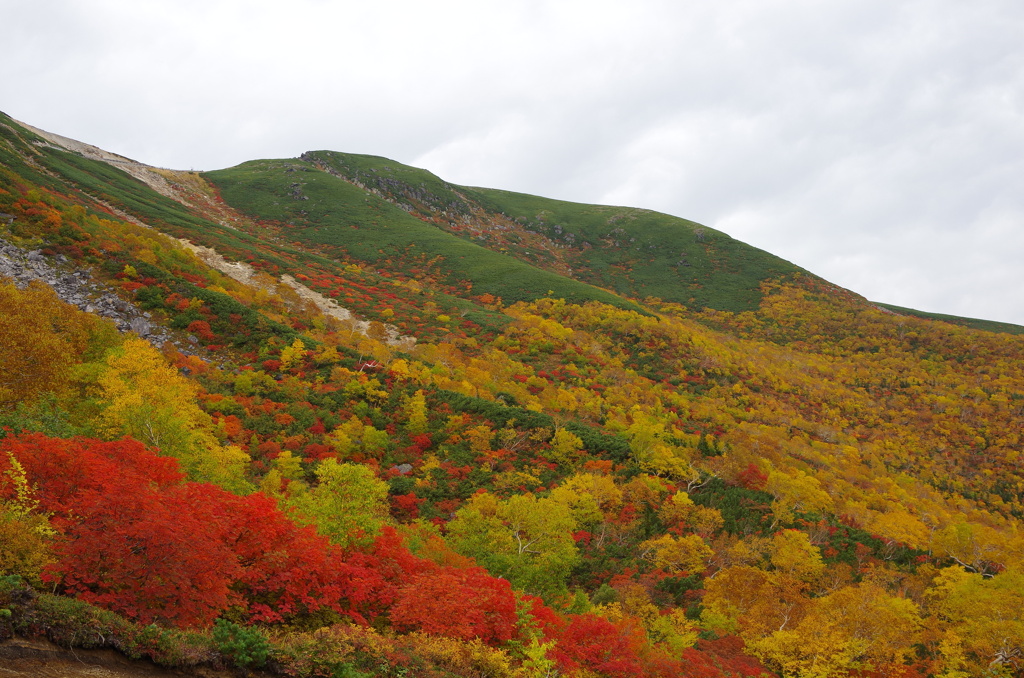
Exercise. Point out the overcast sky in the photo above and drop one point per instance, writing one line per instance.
(878, 144)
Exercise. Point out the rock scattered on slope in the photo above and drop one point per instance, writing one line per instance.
(77, 287)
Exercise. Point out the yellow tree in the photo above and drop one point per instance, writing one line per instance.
(792, 553)
(796, 491)
(753, 602)
(145, 398)
(982, 622)
(979, 548)
(856, 627)
(523, 538)
(348, 504)
(25, 533)
(416, 414)
(566, 448)
(41, 337)
(673, 554)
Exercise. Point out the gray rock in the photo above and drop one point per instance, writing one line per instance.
(139, 326)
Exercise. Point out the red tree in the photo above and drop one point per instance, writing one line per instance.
(461, 603)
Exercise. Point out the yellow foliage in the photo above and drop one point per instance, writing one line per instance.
(145, 398)
(983, 628)
(796, 491)
(566, 448)
(289, 466)
(855, 627)
(416, 413)
(688, 553)
(25, 534)
(41, 338)
(756, 601)
(512, 480)
(680, 510)
(791, 552)
(293, 355)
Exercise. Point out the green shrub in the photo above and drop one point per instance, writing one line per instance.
(245, 646)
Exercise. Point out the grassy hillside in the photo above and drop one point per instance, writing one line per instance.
(636, 253)
(322, 211)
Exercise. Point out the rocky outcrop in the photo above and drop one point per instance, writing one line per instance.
(77, 287)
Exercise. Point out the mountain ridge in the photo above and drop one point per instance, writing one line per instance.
(393, 190)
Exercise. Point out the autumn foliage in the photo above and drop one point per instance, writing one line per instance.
(817, 487)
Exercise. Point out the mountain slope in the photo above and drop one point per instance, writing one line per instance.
(636, 253)
(778, 475)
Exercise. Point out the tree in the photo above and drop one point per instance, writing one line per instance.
(286, 572)
(978, 548)
(566, 448)
(348, 505)
(791, 552)
(752, 601)
(41, 337)
(461, 603)
(983, 627)
(416, 414)
(25, 532)
(856, 627)
(673, 554)
(148, 552)
(525, 539)
(147, 399)
(593, 643)
(797, 491)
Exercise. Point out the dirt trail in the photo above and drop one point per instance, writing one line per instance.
(21, 658)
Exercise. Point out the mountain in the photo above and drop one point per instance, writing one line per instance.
(483, 433)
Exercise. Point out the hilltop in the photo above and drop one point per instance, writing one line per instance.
(482, 433)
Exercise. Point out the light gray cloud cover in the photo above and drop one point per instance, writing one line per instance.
(878, 144)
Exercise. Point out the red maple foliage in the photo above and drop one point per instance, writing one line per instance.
(458, 602)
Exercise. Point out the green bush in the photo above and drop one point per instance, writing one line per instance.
(245, 646)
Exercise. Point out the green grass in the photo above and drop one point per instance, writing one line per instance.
(640, 253)
(321, 210)
(634, 252)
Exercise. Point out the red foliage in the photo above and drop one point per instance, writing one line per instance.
(285, 570)
(268, 449)
(137, 541)
(61, 469)
(548, 622)
(317, 452)
(202, 328)
(370, 579)
(142, 542)
(727, 653)
(594, 643)
(752, 478)
(149, 554)
(421, 441)
(461, 603)
(405, 507)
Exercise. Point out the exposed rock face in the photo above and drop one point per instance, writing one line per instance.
(77, 287)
